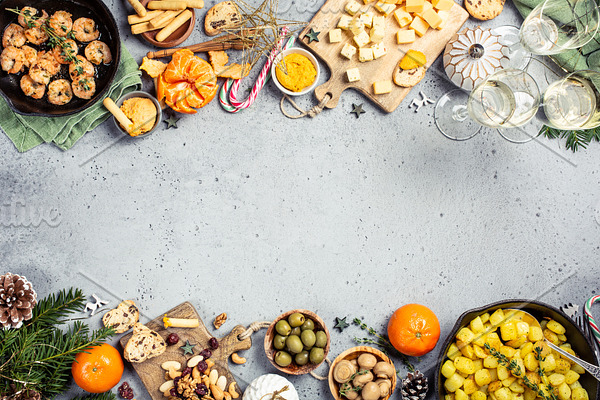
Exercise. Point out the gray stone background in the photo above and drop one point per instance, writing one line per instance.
(254, 214)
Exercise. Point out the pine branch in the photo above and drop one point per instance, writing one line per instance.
(98, 396)
(53, 308)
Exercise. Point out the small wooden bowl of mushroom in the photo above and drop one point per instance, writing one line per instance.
(362, 371)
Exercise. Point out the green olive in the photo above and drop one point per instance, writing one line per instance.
(296, 319)
(283, 359)
(308, 325)
(302, 358)
(308, 338)
(294, 344)
(279, 342)
(296, 331)
(321, 339)
(316, 355)
(283, 328)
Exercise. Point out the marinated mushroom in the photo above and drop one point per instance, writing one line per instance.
(362, 378)
(354, 362)
(343, 371)
(366, 361)
(383, 370)
(370, 391)
(385, 386)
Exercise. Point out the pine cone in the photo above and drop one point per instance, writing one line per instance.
(414, 386)
(17, 299)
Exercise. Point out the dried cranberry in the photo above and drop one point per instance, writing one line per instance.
(173, 392)
(201, 390)
(206, 353)
(213, 343)
(186, 371)
(202, 366)
(176, 380)
(124, 386)
(125, 391)
(172, 339)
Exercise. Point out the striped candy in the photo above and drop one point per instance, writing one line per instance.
(591, 320)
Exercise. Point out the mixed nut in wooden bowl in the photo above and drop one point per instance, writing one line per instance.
(297, 342)
(362, 371)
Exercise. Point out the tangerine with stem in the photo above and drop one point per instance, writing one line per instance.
(97, 369)
(414, 330)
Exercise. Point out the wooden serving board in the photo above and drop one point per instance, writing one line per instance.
(150, 372)
(431, 44)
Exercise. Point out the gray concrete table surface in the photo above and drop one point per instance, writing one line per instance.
(254, 214)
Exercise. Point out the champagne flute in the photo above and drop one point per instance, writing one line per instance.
(507, 98)
(573, 102)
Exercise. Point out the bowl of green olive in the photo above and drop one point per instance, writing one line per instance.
(297, 342)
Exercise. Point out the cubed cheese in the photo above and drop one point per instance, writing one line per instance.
(426, 6)
(352, 7)
(444, 16)
(348, 51)
(405, 36)
(414, 6)
(443, 5)
(367, 19)
(385, 8)
(367, 1)
(365, 54)
(353, 75)
(382, 87)
(432, 18)
(379, 50)
(362, 39)
(402, 17)
(356, 26)
(344, 23)
(378, 22)
(335, 35)
(419, 26)
(377, 35)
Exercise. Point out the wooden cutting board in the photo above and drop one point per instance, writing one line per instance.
(431, 44)
(150, 372)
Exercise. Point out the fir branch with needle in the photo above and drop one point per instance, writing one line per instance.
(382, 342)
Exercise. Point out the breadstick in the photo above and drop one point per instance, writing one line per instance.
(181, 322)
(173, 25)
(118, 114)
(136, 19)
(166, 16)
(167, 5)
(195, 3)
(138, 7)
(146, 27)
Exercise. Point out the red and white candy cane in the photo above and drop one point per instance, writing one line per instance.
(591, 320)
(233, 105)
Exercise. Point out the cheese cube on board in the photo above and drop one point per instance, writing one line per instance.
(405, 36)
(365, 54)
(419, 26)
(385, 8)
(367, 1)
(356, 26)
(362, 39)
(348, 51)
(432, 18)
(367, 19)
(377, 35)
(444, 16)
(414, 6)
(443, 5)
(352, 7)
(379, 50)
(378, 22)
(353, 75)
(382, 87)
(335, 35)
(344, 22)
(426, 6)
(402, 17)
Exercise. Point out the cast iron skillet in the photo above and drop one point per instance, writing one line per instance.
(109, 33)
(582, 345)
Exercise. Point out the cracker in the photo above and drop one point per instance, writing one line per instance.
(143, 344)
(409, 77)
(484, 9)
(122, 318)
(221, 16)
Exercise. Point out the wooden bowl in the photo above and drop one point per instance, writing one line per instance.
(351, 354)
(175, 38)
(294, 369)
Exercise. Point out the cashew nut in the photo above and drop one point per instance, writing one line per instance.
(235, 357)
(227, 395)
(222, 382)
(209, 364)
(231, 390)
(217, 393)
(167, 386)
(213, 376)
(196, 374)
(205, 380)
(192, 362)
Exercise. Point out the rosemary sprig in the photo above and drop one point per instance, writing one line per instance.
(515, 368)
(382, 342)
(346, 387)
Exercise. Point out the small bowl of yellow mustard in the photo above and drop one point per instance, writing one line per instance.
(295, 71)
(143, 111)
